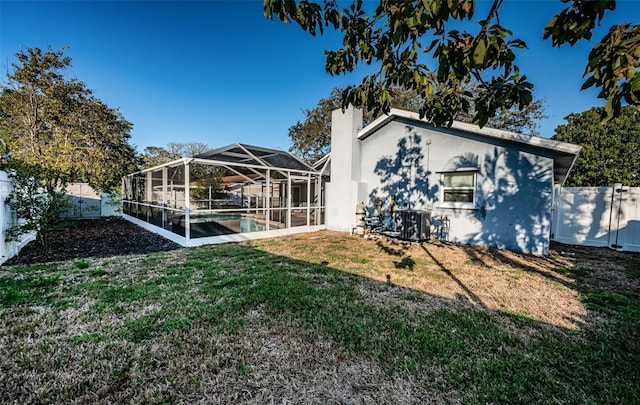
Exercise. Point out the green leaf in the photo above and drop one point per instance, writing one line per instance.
(588, 83)
(412, 21)
(608, 107)
(479, 53)
(550, 27)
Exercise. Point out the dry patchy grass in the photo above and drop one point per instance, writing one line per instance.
(540, 288)
(322, 318)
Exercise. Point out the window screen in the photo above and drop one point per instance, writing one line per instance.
(459, 187)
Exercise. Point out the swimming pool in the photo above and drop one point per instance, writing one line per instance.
(224, 224)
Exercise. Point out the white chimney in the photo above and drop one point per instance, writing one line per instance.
(342, 191)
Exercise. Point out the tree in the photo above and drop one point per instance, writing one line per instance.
(522, 120)
(57, 132)
(157, 155)
(37, 211)
(609, 152)
(400, 35)
(188, 149)
(311, 138)
(209, 182)
(59, 127)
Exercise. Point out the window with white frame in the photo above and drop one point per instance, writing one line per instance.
(459, 188)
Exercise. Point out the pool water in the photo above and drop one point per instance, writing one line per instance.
(224, 224)
(251, 225)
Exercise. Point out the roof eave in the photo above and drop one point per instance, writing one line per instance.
(530, 140)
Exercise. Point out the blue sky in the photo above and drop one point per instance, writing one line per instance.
(218, 72)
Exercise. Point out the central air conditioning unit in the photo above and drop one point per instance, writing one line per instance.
(414, 225)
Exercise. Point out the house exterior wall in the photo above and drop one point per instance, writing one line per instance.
(513, 183)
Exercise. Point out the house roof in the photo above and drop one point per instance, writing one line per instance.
(564, 154)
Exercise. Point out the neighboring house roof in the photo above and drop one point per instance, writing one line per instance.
(564, 154)
(240, 179)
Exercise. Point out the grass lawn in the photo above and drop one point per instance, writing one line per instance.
(323, 318)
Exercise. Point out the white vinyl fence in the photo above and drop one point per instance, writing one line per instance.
(7, 220)
(85, 203)
(598, 216)
(88, 203)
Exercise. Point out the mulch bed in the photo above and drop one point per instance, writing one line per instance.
(93, 238)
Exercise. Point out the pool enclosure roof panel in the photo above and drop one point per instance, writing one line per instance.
(244, 159)
(323, 165)
(256, 156)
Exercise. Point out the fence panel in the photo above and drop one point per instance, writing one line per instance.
(88, 203)
(626, 219)
(85, 202)
(597, 216)
(9, 249)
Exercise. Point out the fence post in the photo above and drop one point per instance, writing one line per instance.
(618, 189)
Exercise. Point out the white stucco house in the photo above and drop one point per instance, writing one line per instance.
(483, 187)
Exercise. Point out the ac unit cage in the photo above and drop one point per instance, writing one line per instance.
(414, 225)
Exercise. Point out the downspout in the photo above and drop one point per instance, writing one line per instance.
(165, 202)
(308, 201)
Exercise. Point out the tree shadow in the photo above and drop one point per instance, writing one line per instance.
(404, 176)
(474, 297)
(475, 257)
(405, 263)
(276, 304)
(391, 251)
(513, 201)
(574, 206)
(522, 263)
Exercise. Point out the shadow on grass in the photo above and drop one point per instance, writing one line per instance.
(474, 297)
(473, 347)
(472, 351)
(480, 355)
(401, 250)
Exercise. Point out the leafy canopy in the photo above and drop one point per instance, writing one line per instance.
(311, 138)
(610, 152)
(398, 36)
(60, 127)
(157, 155)
(55, 132)
(38, 211)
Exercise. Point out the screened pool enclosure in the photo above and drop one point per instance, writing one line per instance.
(232, 193)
